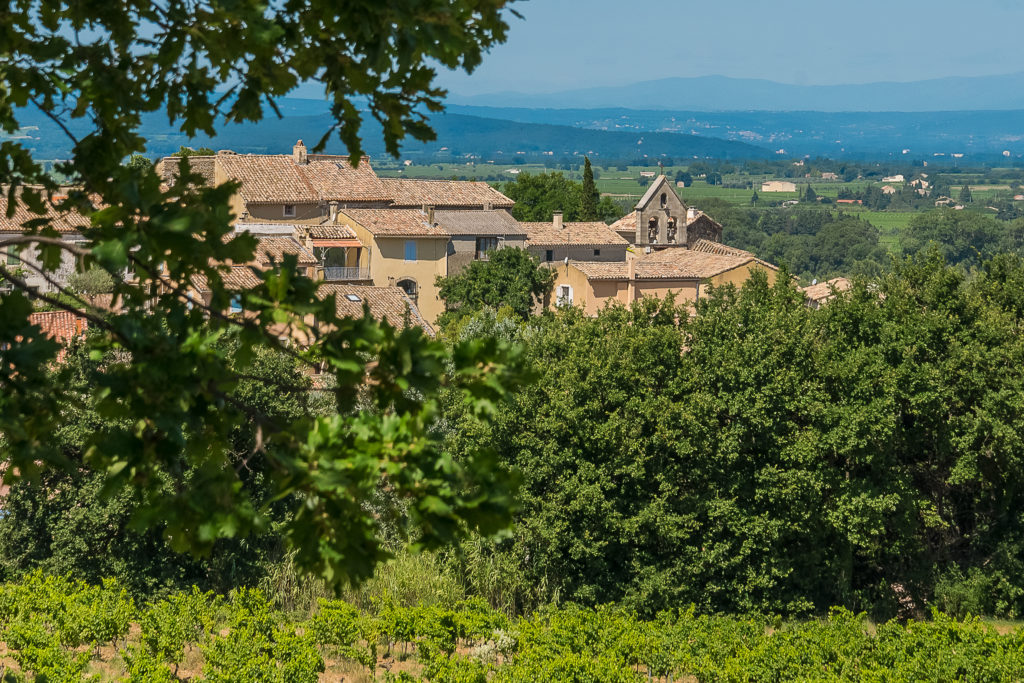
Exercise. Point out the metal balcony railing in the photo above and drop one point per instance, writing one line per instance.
(342, 273)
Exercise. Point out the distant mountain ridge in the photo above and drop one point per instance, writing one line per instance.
(722, 93)
(457, 135)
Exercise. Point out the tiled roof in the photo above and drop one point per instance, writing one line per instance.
(237, 278)
(701, 216)
(689, 263)
(407, 192)
(318, 229)
(275, 248)
(205, 165)
(625, 224)
(61, 326)
(395, 222)
(276, 178)
(823, 291)
(580, 234)
(601, 270)
(61, 221)
(331, 232)
(498, 222)
(709, 247)
(386, 303)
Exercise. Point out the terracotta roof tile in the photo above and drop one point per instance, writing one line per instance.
(331, 232)
(395, 222)
(708, 247)
(497, 222)
(237, 278)
(625, 224)
(61, 221)
(689, 263)
(583, 234)
(407, 192)
(276, 178)
(317, 228)
(601, 270)
(386, 303)
(276, 247)
(204, 165)
(61, 326)
(825, 291)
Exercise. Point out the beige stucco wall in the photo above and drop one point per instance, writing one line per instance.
(388, 265)
(737, 276)
(593, 295)
(684, 290)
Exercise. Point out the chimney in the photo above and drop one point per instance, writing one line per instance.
(691, 213)
(488, 206)
(332, 212)
(307, 238)
(556, 220)
(429, 210)
(299, 153)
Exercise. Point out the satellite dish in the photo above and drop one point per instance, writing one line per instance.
(566, 260)
(814, 281)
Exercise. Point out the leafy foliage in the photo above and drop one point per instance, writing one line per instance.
(537, 196)
(766, 457)
(163, 389)
(510, 278)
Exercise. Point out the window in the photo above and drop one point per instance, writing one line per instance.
(549, 255)
(409, 287)
(14, 255)
(410, 250)
(564, 295)
(289, 211)
(484, 245)
(597, 252)
(236, 304)
(664, 200)
(353, 298)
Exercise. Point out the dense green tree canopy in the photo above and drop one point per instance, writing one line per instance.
(167, 399)
(510, 278)
(539, 195)
(766, 456)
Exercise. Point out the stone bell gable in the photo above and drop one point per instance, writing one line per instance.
(661, 216)
(661, 219)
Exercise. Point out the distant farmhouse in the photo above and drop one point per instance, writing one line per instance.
(778, 186)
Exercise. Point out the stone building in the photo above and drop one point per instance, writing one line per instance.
(683, 273)
(475, 234)
(577, 241)
(661, 220)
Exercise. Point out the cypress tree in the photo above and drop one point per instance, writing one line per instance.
(965, 194)
(588, 203)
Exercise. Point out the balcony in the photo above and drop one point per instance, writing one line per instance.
(345, 273)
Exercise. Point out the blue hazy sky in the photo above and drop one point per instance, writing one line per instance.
(563, 44)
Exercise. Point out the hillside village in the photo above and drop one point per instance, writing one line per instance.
(383, 242)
